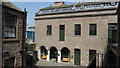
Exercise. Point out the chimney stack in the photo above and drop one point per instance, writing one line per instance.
(59, 3)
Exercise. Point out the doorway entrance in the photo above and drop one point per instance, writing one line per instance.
(53, 53)
(43, 52)
(65, 54)
(77, 53)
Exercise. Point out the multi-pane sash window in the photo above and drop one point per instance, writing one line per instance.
(62, 33)
(10, 26)
(92, 29)
(77, 29)
(49, 29)
(9, 32)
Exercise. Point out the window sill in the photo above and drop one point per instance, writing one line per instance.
(48, 35)
(62, 42)
(92, 35)
(7, 40)
(77, 35)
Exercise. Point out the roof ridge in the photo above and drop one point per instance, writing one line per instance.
(11, 5)
(72, 5)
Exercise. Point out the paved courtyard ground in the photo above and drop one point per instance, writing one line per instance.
(43, 62)
(52, 64)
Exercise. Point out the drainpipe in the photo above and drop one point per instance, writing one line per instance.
(118, 37)
(1, 32)
(24, 39)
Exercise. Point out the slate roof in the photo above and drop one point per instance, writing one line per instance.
(11, 5)
(71, 5)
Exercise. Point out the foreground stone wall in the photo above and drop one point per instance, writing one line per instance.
(14, 49)
(14, 45)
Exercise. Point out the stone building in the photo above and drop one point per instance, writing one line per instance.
(118, 42)
(30, 36)
(13, 35)
(81, 33)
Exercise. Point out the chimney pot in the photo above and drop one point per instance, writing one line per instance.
(59, 3)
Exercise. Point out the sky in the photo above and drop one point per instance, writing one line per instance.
(55, 0)
(33, 7)
(47, 0)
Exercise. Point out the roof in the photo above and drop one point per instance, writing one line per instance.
(71, 5)
(53, 7)
(118, 10)
(11, 5)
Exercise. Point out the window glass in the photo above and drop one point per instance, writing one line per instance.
(9, 32)
(92, 29)
(49, 29)
(62, 33)
(92, 55)
(77, 29)
(112, 33)
(10, 26)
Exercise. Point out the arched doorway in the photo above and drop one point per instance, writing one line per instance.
(65, 54)
(43, 52)
(53, 53)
